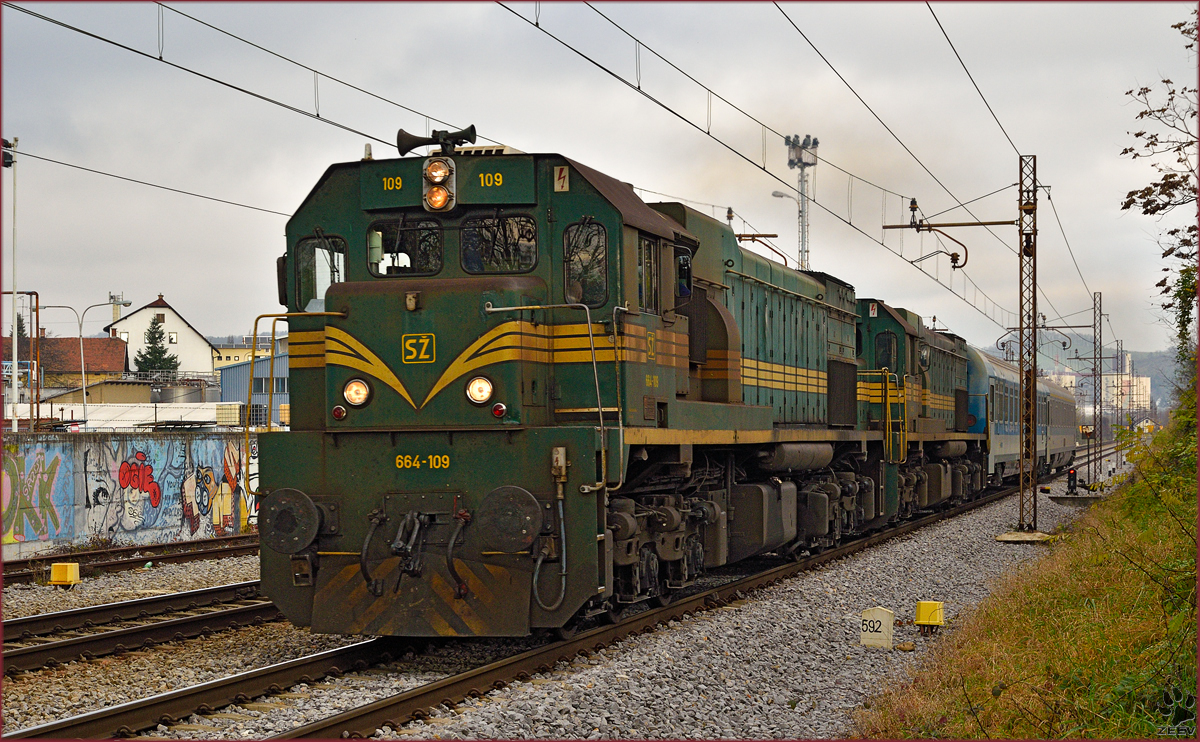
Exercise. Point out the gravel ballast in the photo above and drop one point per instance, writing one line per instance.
(785, 663)
(28, 599)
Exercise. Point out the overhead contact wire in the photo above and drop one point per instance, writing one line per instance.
(154, 185)
(327, 76)
(731, 149)
(1011, 144)
(229, 85)
(763, 169)
(899, 141)
(972, 78)
(729, 103)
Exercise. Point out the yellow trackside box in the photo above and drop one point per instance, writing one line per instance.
(929, 613)
(64, 573)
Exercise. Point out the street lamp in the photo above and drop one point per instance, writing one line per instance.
(82, 365)
(802, 255)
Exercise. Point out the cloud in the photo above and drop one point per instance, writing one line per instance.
(1054, 73)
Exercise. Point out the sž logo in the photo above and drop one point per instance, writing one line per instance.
(419, 348)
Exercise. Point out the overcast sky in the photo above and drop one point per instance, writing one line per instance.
(1055, 75)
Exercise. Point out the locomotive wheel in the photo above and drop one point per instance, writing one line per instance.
(663, 598)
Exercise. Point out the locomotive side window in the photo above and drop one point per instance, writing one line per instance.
(504, 244)
(585, 251)
(396, 247)
(320, 263)
(648, 272)
(885, 350)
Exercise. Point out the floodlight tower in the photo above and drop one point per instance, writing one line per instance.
(802, 155)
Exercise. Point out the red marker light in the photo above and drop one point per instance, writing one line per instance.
(339, 413)
(499, 409)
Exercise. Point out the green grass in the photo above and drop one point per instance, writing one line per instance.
(1097, 639)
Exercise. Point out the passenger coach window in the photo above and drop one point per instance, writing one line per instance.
(320, 263)
(506, 244)
(397, 247)
(585, 248)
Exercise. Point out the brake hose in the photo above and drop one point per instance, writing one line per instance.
(377, 517)
(562, 590)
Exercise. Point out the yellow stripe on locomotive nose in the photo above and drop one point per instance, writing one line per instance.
(343, 350)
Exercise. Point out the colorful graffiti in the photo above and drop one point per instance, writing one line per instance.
(127, 488)
(140, 475)
(38, 499)
(215, 499)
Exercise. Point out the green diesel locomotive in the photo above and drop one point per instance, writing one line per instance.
(521, 397)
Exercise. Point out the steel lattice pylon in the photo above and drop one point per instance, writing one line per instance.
(1027, 339)
(1119, 397)
(1097, 397)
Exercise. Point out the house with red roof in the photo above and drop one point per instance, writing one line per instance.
(58, 359)
(194, 351)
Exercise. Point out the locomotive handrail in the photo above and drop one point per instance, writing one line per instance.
(892, 437)
(620, 408)
(600, 485)
(270, 396)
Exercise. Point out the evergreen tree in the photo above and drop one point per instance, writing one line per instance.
(21, 333)
(154, 357)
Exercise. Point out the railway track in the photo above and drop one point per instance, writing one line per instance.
(51, 639)
(131, 557)
(169, 708)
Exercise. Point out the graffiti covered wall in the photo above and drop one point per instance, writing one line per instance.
(130, 488)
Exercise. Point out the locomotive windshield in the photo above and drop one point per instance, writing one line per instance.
(503, 244)
(320, 263)
(404, 248)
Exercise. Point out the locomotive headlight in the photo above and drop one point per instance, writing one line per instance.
(437, 197)
(356, 392)
(437, 171)
(479, 390)
(438, 184)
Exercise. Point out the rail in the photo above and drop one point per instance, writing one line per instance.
(130, 718)
(48, 623)
(411, 705)
(132, 557)
(87, 642)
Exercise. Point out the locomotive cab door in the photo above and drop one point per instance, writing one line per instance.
(683, 295)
